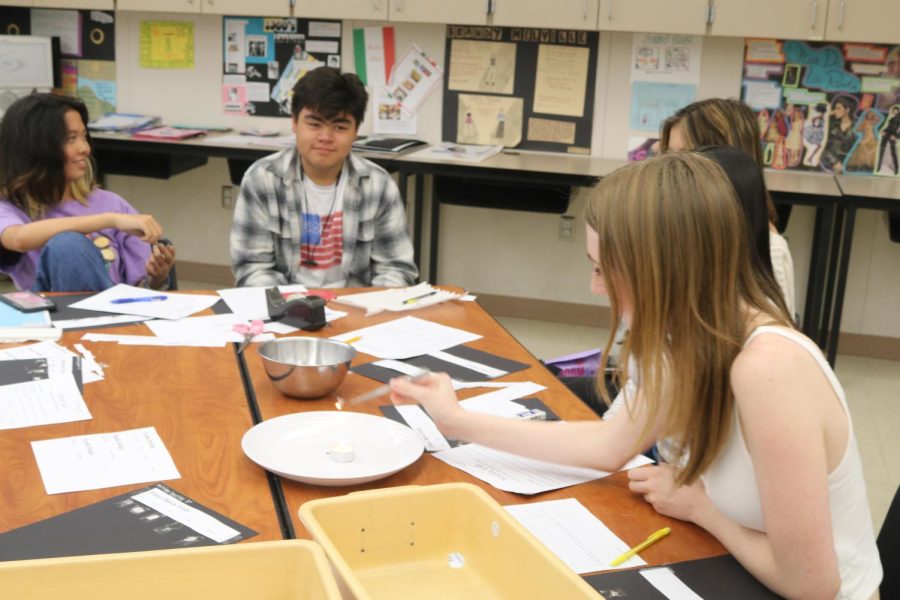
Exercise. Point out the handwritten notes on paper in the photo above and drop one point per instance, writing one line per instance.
(91, 462)
(561, 80)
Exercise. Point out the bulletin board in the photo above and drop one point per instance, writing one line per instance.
(825, 105)
(520, 87)
(87, 44)
(264, 58)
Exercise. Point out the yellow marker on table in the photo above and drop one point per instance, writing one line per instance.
(353, 340)
(653, 538)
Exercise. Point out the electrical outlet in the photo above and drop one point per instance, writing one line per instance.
(227, 197)
(566, 228)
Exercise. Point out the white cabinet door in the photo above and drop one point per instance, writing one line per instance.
(22, 3)
(262, 8)
(375, 10)
(181, 6)
(463, 12)
(95, 4)
(558, 14)
(654, 16)
(876, 21)
(782, 19)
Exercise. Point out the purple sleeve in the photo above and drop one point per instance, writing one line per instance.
(134, 252)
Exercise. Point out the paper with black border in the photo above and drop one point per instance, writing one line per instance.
(436, 365)
(111, 525)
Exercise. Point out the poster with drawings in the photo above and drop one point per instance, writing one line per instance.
(264, 58)
(826, 105)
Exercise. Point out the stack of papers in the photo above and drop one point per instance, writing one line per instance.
(398, 299)
(129, 300)
(462, 152)
(389, 145)
(122, 122)
(167, 133)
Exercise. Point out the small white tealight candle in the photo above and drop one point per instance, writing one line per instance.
(342, 452)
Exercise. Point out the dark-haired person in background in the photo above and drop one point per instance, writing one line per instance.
(58, 230)
(316, 214)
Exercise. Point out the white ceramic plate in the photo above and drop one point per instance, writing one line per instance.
(297, 447)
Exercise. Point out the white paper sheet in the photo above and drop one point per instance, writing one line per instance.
(406, 337)
(175, 306)
(469, 364)
(572, 533)
(249, 303)
(149, 340)
(215, 329)
(187, 515)
(89, 365)
(98, 321)
(499, 408)
(91, 462)
(668, 584)
(519, 474)
(514, 391)
(422, 424)
(42, 402)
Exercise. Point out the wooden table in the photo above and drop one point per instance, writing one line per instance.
(195, 400)
(626, 514)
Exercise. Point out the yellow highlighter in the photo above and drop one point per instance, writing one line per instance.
(653, 538)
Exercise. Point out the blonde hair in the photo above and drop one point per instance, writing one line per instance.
(718, 122)
(672, 239)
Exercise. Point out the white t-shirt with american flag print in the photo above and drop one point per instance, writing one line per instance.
(322, 238)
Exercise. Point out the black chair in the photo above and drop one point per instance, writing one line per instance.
(889, 549)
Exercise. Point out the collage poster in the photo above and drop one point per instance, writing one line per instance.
(87, 45)
(264, 58)
(825, 105)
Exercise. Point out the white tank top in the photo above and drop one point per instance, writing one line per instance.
(731, 484)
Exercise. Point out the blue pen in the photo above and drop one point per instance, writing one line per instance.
(141, 299)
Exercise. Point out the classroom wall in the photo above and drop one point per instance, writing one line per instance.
(504, 253)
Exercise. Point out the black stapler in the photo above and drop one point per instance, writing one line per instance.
(306, 312)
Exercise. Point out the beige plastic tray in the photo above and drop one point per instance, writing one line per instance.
(438, 541)
(290, 569)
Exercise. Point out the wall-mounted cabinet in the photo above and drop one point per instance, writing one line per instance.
(85, 4)
(461, 12)
(374, 10)
(782, 19)
(559, 14)
(875, 21)
(654, 16)
(269, 8)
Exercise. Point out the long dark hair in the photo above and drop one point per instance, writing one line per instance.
(32, 161)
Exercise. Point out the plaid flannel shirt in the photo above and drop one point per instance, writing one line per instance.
(265, 233)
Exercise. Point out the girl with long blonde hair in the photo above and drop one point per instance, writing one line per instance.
(767, 459)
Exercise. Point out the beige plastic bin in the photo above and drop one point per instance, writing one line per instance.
(438, 541)
(290, 569)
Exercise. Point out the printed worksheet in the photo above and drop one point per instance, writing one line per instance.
(42, 402)
(92, 462)
(405, 337)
